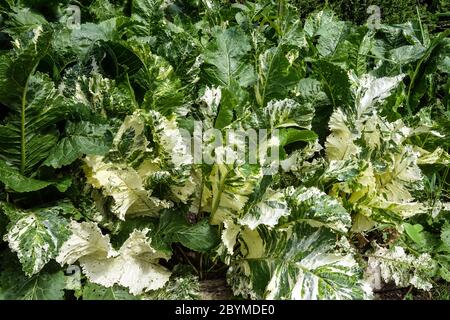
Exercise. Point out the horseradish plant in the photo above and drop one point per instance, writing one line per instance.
(102, 196)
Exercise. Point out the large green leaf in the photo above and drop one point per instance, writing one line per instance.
(42, 286)
(92, 291)
(335, 83)
(426, 67)
(173, 227)
(82, 39)
(17, 182)
(82, 138)
(17, 66)
(328, 29)
(291, 135)
(276, 75)
(226, 55)
(35, 235)
(233, 99)
(28, 132)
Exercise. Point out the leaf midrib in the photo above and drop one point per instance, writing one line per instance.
(22, 125)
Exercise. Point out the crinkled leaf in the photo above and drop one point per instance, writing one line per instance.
(130, 171)
(402, 268)
(135, 265)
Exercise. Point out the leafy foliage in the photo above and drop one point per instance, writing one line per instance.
(99, 170)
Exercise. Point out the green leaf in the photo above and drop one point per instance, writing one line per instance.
(291, 135)
(445, 236)
(82, 138)
(426, 67)
(104, 9)
(92, 291)
(353, 51)
(83, 38)
(201, 236)
(415, 233)
(17, 182)
(226, 55)
(233, 98)
(311, 93)
(29, 132)
(116, 58)
(148, 15)
(328, 29)
(43, 286)
(16, 67)
(335, 83)
(35, 235)
(276, 75)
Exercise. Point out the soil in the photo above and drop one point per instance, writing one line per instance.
(215, 290)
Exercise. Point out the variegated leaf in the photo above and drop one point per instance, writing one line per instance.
(35, 235)
(299, 262)
(316, 208)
